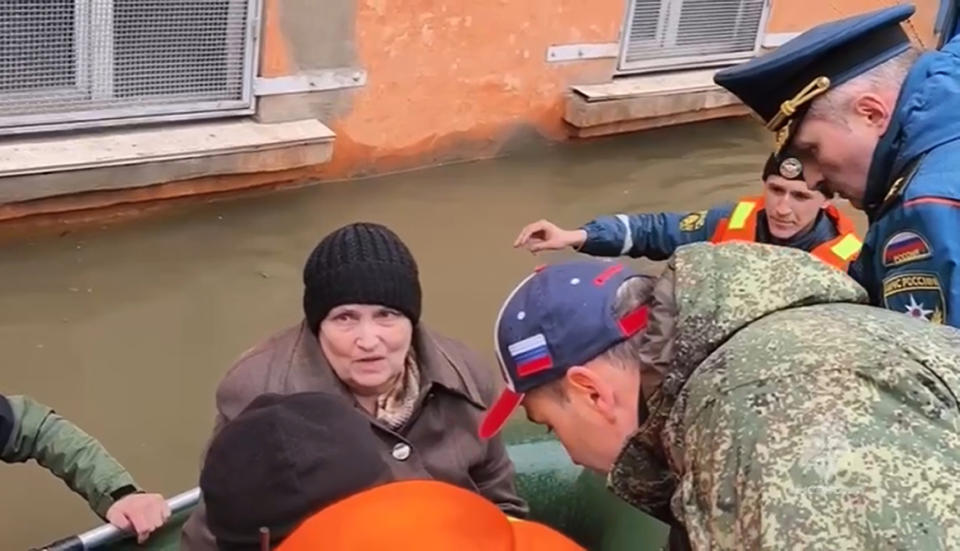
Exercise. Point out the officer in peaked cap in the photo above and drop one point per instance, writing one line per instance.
(881, 123)
(781, 86)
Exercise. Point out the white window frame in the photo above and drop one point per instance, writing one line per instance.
(669, 27)
(102, 86)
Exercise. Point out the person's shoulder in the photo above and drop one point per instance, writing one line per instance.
(723, 210)
(249, 375)
(476, 373)
(936, 175)
(826, 229)
(791, 328)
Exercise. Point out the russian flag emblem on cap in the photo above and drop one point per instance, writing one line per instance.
(530, 355)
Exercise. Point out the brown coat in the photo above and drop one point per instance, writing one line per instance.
(441, 435)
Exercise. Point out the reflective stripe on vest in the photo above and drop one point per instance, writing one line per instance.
(847, 247)
(844, 248)
(837, 252)
(741, 214)
(742, 224)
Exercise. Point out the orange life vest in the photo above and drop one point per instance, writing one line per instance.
(425, 515)
(838, 252)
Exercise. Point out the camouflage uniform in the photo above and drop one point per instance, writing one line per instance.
(791, 415)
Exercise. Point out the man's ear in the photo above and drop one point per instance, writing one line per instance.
(586, 384)
(874, 110)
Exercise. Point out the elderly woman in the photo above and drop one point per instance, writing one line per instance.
(362, 338)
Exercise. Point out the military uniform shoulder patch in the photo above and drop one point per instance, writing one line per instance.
(693, 221)
(917, 294)
(904, 247)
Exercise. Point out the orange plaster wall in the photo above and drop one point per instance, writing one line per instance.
(444, 73)
(449, 67)
(275, 57)
(788, 16)
(446, 79)
(448, 74)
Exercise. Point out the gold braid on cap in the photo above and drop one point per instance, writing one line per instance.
(781, 121)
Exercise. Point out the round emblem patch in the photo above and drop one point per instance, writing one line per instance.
(693, 221)
(790, 168)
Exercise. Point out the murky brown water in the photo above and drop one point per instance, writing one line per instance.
(127, 330)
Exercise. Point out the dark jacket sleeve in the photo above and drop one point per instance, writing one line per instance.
(938, 298)
(494, 475)
(495, 480)
(652, 235)
(31, 430)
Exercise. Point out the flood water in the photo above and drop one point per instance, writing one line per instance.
(126, 329)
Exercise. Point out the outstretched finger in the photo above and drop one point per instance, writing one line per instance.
(540, 246)
(527, 232)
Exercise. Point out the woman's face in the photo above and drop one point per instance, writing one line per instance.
(366, 345)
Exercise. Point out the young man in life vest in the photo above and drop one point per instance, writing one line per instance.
(787, 214)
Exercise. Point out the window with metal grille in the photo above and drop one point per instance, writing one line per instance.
(663, 34)
(76, 63)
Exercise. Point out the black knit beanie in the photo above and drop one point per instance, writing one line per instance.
(282, 459)
(360, 263)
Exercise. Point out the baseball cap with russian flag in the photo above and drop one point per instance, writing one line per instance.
(559, 317)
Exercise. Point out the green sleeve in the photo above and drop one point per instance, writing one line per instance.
(66, 451)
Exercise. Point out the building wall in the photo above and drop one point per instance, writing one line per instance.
(796, 16)
(446, 80)
(456, 79)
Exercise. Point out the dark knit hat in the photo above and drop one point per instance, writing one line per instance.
(283, 459)
(360, 263)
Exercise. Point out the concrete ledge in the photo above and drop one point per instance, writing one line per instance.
(649, 101)
(648, 123)
(104, 160)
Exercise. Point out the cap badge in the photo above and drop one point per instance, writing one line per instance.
(790, 168)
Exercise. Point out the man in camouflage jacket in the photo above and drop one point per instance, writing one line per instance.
(748, 396)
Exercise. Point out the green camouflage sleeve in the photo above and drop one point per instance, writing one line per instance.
(72, 455)
(846, 445)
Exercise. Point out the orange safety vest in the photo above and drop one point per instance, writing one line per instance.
(426, 515)
(838, 252)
